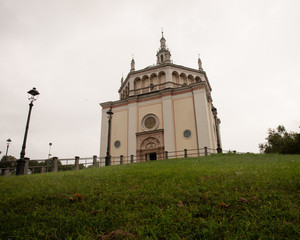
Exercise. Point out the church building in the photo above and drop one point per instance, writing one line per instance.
(163, 109)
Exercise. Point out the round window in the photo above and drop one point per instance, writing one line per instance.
(150, 122)
(117, 144)
(187, 133)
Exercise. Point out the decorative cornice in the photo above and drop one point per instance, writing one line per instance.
(162, 65)
(149, 132)
(155, 95)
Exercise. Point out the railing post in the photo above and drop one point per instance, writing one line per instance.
(55, 165)
(131, 158)
(185, 153)
(26, 166)
(166, 154)
(76, 167)
(7, 173)
(95, 164)
(42, 169)
(121, 159)
(205, 151)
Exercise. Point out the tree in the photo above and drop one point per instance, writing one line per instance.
(280, 141)
(8, 161)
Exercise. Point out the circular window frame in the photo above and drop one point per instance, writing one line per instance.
(144, 120)
(190, 132)
(118, 143)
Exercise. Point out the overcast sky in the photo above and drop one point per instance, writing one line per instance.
(75, 52)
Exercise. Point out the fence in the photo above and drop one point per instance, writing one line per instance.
(54, 164)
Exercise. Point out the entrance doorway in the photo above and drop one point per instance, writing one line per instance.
(151, 156)
(150, 145)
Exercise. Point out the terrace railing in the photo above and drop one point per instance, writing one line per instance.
(55, 164)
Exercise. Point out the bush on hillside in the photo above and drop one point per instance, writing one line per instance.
(280, 141)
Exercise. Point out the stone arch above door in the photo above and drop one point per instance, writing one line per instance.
(150, 142)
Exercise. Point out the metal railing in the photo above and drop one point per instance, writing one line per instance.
(65, 164)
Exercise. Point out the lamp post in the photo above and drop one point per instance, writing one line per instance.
(8, 141)
(49, 155)
(214, 111)
(108, 157)
(32, 96)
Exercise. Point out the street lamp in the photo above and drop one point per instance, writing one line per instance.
(8, 141)
(32, 96)
(215, 113)
(49, 155)
(108, 157)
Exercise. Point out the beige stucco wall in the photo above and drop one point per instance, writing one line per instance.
(203, 119)
(132, 128)
(184, 118)
(119, 131)
(168, 117)
(154, 108)
(176, 113)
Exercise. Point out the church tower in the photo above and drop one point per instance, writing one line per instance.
(163, 55)
(164, 110)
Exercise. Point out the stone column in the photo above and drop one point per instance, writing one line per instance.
(7, 173)
(26, 166)
(95, 163)
(55, 165)
(76, 167)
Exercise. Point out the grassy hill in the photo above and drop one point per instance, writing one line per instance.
(216, 197)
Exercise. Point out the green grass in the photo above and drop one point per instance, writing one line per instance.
(170, 199)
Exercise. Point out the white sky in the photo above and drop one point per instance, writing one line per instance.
(75, 52)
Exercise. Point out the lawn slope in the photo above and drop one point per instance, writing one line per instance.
(216, 197)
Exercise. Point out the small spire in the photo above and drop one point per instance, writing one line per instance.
(132, 64)
(122, 79)
(199, 63)
(162, 40)
(163, 55)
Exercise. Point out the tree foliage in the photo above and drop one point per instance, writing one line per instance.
(8, 161)
(280, 141)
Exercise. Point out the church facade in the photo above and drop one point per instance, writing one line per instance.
(163, 109)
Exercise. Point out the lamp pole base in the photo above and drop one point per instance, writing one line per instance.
(21, 166)
(107, 160)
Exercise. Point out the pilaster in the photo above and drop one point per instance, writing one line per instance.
(167, 105)
(203, 119)
(132, 124)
